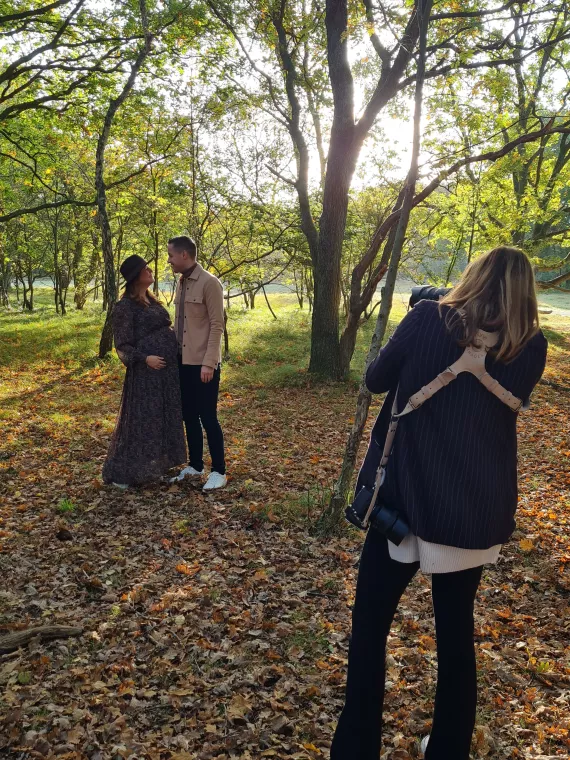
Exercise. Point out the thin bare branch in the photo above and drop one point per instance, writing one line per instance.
(21, 15)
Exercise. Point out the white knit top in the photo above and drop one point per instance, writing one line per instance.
(436, 558)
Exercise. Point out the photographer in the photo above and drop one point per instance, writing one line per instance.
(451, 478)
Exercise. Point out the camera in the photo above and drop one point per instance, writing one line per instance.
(426, 293)
(384, 519)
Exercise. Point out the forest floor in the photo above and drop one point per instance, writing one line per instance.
(217, 627)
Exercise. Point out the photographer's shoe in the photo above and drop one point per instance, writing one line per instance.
(187, 472)
(423, 744)
(215, 480)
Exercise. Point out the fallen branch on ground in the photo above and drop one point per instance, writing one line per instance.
(45, 633)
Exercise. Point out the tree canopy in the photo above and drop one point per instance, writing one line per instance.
(278, 135)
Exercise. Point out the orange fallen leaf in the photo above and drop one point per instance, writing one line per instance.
(428, 643)
(182, 567)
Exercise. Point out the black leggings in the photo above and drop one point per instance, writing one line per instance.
(381, 583)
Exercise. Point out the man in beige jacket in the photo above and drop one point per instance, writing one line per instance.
(199, 326)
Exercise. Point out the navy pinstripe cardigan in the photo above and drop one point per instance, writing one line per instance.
(453, 469)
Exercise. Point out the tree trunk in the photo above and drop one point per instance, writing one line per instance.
(226, 336)
(106, 342)
(26, 305)
(156, 251)
(309, 287)
(325, 341)
(332, 516)
(63, 299)
(55, 281)
(4, 281)
(31, 290)
(267, 302)
(325, 347)
(348, 341)
(298, 288)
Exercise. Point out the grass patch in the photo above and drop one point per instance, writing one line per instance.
(66, 507)
(32, 337)
(309, 505)
(556, 338)
(264, 352)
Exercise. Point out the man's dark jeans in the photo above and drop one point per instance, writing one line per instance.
(200, 409)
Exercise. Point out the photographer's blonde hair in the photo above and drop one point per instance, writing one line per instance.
(496, 293)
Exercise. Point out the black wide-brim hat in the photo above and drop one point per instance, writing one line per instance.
(132, 266)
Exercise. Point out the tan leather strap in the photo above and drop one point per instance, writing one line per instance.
(501, 393)
(471, 360)
(381, 471)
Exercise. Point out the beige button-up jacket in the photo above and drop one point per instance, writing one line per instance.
(201, 297)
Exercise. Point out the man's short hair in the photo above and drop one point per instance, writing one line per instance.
(182, 244)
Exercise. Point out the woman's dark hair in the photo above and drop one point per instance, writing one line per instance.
(496, 293)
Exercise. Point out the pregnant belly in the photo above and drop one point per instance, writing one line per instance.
(160, 343)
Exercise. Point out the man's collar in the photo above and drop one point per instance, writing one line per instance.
(192, 273)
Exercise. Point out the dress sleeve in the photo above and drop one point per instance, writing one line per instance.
(384, 372)
(124, 334)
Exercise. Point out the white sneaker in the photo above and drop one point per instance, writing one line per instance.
(215, 480)
(187, 472)
(122, 486)
(423, 744)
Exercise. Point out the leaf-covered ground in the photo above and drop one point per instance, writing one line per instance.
(217, 627)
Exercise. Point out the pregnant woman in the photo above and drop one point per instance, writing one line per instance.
(149, 435)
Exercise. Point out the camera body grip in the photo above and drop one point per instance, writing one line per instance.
(385, 519)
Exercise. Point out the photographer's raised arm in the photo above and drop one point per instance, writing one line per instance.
(384, 372)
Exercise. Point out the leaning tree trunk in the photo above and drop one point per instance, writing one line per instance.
(106, 342)
(273, 314)
(331, 518)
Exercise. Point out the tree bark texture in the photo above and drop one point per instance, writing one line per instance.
(332, 516)
(106, 342)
